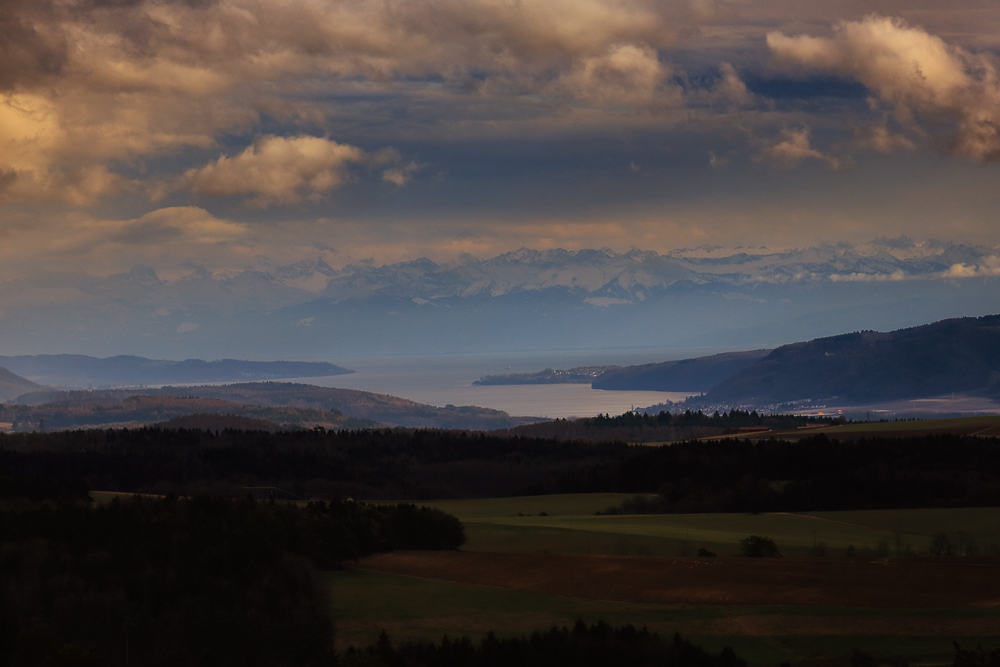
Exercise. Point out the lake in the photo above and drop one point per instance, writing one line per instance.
(442, 379)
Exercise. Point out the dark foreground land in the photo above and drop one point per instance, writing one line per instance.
(729, 475)
(175, 580)
(200, 581)
(915, 582)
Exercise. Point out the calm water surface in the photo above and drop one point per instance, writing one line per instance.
(444, 379)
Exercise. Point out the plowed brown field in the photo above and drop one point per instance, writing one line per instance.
(899, 583)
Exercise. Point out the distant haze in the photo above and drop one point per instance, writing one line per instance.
(185, 178)
(708, 298)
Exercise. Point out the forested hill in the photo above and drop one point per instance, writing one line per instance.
(694, 375)
(105, 409)
(78, 370)
(957, 355)
(360, 405)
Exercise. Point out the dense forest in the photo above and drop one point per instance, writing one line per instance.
(371, 464)
(729, 475)
(817, 474)
(199, 581)
(599, 645)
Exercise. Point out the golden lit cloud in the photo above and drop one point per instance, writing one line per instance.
(793, 147)
(277, 170)
(925, 82)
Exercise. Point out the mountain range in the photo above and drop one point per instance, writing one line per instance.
(529, 299)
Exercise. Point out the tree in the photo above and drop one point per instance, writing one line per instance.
(941, 545)
(757, 546)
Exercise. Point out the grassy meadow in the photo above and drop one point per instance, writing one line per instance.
(570, 526)
(979, 425)
(365, 602)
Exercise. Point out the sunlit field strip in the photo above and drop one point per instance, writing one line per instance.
(493, 525)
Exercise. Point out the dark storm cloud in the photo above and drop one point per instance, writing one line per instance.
(31, 48)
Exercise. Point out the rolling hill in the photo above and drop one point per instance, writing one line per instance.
(957, 355)
(13, 385)
(85, 409)
(694, 375)
(362, 406)
(78, 370)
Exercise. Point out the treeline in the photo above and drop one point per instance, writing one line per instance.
(200, 581)
(814, 474)
(371, 464)
(599, 645)
(728, 475)
(734, 418)
(664, 426)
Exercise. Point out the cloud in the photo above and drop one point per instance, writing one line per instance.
(878, 137)
(401, 175)
(278, 170)
(933, 89)
(895, 276)
(989, 267)
(793, 147)
(186, 225)
(171, 236)
(731, 87)
(29, 49)
(625, 75)
(91, 90)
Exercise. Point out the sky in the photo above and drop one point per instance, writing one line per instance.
(233, 134)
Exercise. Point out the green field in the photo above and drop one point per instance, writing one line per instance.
(363, 603)
(566, 504)
(957, 425)
(409, 608)
(572, 527)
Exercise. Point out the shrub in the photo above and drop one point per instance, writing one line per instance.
(757, 546)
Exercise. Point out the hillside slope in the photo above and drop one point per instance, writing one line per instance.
(13, 385)
(694, 375)
(361, 405)
(87, 409)
(957, 355)
(78, 370)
